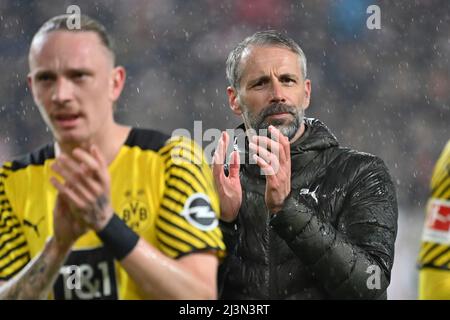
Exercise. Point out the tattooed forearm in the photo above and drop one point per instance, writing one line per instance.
(37, 278)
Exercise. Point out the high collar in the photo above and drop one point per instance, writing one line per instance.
(316, 137)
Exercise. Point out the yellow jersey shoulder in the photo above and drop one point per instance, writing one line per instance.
(434, 256)
(20, 225)
(440, 180)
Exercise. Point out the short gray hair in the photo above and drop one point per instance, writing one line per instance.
(60, 23)
(261, 38)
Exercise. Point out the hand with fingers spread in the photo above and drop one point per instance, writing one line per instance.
(86, 186)
(273, 156)
(228, 187)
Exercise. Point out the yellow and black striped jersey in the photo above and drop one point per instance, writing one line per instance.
(162, 188)
(434, 256)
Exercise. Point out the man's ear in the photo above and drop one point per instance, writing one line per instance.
(30, 81)
(307, 94)
(118, 82)
(233, 100)
(30, 84)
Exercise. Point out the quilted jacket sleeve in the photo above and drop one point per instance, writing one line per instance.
(354, 259)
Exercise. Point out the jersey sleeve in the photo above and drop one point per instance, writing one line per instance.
(434, 256)
(188, 217)
(14, 253)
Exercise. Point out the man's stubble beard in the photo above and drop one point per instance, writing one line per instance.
(260, 124)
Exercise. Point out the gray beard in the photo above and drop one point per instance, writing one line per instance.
(261, 125)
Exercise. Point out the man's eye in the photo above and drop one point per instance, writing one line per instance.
(259, 83)
(288, 80)
(44, 77)
(78, 75)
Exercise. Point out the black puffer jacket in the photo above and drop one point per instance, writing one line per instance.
(334, 238)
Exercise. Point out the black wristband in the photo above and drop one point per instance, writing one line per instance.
(118, 238)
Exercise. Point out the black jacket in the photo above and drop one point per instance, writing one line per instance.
(334, 237)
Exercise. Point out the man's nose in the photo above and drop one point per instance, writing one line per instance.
(277, 92)
(62, 91)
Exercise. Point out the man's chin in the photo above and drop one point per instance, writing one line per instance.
(282, 125)
(71, 137)
(278, 123)
(287, 130)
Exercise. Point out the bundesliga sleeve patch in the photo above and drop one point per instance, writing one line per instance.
(437, 225)
(198, 212)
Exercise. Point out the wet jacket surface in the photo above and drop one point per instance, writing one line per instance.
(334, 237)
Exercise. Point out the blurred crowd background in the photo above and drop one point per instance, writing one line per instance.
(383, 91)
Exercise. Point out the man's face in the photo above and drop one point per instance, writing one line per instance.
(272, 90)
(74, 84)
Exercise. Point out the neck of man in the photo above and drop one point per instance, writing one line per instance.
(299, 133)
(109, 140)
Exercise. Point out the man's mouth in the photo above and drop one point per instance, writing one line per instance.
(67, 120)
(279, 116)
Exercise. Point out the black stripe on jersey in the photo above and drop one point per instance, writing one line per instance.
(174, 238)
(4, 209)
(5, 221)
(175, 177)
(146, 139)
(166, 196)
(181, 144)
(37, 157)
(444, 192)
(26, 254)
(189, 172)
(203, 173)
(174, 187)
(430, 250)
(11, 228)
(10, 240)
(3, 175)
(177, 226)
(169, 246)
(188, 146)
(163, 154)
(20, 245)
(432, 266)
(432, 261)
(190, 159)
(440, 183)
(208, 248)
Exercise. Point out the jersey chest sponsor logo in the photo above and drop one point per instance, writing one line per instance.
(437, 226)
(198, 212)
(134, 211)
(87, 275)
